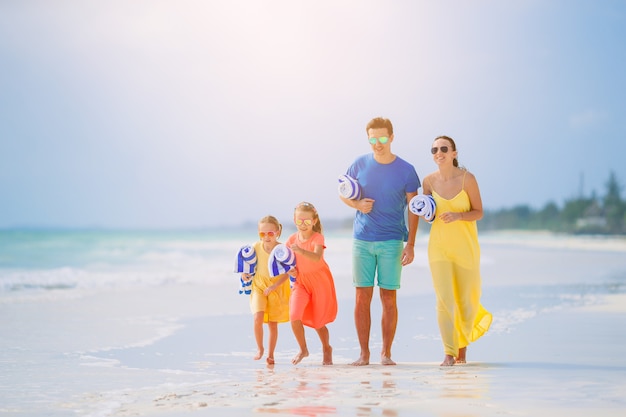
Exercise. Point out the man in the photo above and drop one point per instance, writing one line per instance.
(378, 253)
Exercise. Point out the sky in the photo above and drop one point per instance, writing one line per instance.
(191, 114)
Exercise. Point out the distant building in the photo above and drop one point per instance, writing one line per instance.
(593, 220)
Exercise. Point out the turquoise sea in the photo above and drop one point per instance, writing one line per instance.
(47, 262)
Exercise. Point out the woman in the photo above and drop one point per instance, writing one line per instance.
(454, 252)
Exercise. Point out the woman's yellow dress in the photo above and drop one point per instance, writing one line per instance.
(454, 258)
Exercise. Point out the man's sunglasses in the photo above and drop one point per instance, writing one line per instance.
(382, 140)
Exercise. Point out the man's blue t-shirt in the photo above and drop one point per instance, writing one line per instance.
(387, 184)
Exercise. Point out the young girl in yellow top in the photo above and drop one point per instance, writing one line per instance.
(454, 252)
(269, 299)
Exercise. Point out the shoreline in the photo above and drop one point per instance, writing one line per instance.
(537, 368)
(206, 364)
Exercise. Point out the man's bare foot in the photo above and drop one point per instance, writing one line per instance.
(384, 360)
(362, 361)
(259, 354)
(461, 357)
(270, 361)
(328, 356)
(448, 361)
(301, 355)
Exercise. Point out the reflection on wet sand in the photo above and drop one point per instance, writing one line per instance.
(372, 390)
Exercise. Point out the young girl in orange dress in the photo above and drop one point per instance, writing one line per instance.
(313, 301)
(269, 298)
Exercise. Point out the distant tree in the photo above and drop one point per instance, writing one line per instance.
(578, 215)
(573, 210)
(523, 214)
(614, 207)
(548, 217)
(515, 218)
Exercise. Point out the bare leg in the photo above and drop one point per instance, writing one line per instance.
(462, 353)
(363, 322)
(326, 348)
(273, 338)
(258, 334)
(298, 332)
(389, 324)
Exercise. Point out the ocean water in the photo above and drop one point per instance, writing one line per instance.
(87, 317)
(45, 264)
(36, 262)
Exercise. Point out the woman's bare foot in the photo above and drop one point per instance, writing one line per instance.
(259, 354)
(448, 361)
(328, 356)
(461, 357)
(301, 355)
(270, 361)
(385, 360)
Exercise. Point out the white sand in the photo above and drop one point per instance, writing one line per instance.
(565, 363)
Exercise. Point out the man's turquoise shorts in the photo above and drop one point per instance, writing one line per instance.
(377, 261)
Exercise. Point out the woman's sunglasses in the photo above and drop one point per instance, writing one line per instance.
(434, 150)
(382, 140)
(268, 234)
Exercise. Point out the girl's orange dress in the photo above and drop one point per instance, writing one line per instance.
(313, 298)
